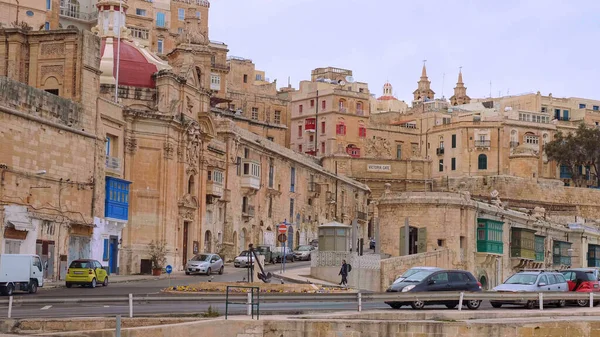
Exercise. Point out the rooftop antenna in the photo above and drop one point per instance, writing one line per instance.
(289, 82)
(443, 81)
(490, 89)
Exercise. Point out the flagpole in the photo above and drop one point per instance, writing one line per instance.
(118, 51)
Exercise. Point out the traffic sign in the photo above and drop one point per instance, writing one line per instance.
(282, 229)
(169, 269)
(282, 238)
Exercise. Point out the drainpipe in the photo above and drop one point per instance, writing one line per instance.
(498, 151)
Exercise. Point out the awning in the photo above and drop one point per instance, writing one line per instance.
(22, 225)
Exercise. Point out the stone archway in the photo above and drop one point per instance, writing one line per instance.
(208, 242)
(484, 282)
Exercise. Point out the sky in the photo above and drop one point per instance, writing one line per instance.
(550, 46)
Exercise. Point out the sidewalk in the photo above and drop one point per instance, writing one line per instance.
(302, 275)
(118, 279)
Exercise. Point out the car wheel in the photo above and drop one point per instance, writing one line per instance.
(33, 287)
(451, 306)
(561, 303)
(10, 288)
(473, 304)
(418, 305)
(105, 283)
(187, 272)
(68, 284)
(583, 303)
(221, 270)
(530, 304)
(596, 303)
(208, 271)
(496, 305)
(93, 283)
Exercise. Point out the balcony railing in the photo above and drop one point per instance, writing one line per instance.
(562, 118)
(214, 188)
(343, 109)
(514, 144)
(439, 151)
(113, 163)
(360, 112)
(220, 66)
(483, 143)
(79, 15)
(362, 215)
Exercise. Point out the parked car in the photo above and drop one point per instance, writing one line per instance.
(436, 280)
(243, 260)
(583, 280)
(412, 271)
(86, 272)
(372, 244)
(314, 243)
(532, 281)
(278, 253)
(204, 264)
(20, 272)
(267, 252)
(302, 253)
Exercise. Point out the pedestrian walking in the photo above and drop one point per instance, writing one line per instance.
(344, 272)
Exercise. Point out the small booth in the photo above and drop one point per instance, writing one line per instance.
(334, 237)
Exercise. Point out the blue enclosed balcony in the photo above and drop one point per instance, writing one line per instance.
(117, 199)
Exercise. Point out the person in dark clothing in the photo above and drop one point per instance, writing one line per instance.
(344, 273)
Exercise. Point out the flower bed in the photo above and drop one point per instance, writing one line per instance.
(221, 287)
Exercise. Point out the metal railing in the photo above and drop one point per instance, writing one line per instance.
(79, 15)
(524, 297)
(439, 151)
(483, 143)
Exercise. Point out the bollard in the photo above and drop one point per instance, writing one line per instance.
(541, 299)
(130, 305)
(359, 302)
(10, 307)
(118, 326)
(249, 311)
(460, 301)
(591, 299)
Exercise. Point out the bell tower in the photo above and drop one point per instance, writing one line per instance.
(460, 92)
(423, 92)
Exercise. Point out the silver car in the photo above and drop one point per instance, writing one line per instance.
(302, 253)
(243, 260)
(205, 264)
(532, 281)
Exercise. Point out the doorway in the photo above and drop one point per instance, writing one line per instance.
(113, 256)
(413, 238)
(186, 226)
(45, 250)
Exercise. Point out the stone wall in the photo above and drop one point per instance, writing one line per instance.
(365, 271)
(393, 267)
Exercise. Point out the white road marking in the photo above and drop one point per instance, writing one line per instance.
(46, 307)
(107, 306)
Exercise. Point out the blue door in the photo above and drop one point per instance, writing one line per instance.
(113, 257)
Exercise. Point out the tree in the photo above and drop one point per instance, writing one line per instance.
(576, 151)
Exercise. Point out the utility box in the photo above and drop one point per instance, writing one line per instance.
(334, 237)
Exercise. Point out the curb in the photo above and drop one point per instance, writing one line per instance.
(293, 280)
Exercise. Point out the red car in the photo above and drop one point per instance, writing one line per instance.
(583, 280)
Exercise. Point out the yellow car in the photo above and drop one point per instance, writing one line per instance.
(86, 273)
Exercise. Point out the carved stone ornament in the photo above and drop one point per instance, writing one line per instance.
(169, 149)
(130, 144)
(48, 50)
(194, 143)
(192, 33)
(378, 147)
(52, 70)
(186, 214)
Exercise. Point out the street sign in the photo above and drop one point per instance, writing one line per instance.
(169, 269)
(282, 238)
(282, 229)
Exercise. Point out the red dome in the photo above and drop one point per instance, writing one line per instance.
(134, 68)
(387, 98)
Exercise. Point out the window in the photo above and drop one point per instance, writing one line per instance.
(159, 46)
(181, 14)
(531, 139)
(340, 129)
(140, 12)
(322, 127)
(522, 243)
(160, 19)
(560, 253)
(48, 4)
(482, 162)
(311, 138)
(271, 139)
(271, 173)
(323, 148)
(312, 103)
(292, 179)
(277, 117)
(539, 247)
(300, 148)
(300, 108)
(299, 131)
(441, 165)
(47, 26)
(258, 77)
(565, 172)
(454, 141)
(252, 169)
(291, 209)
(244, 204)
(255, 113)
(398, 151)
(453, 164)
(198, 15)
(270, 211)
(239, 166)
(362, 132)
(593, 255)
(215, 176)
(246, 153)
(139, 33)
(544, 109)
(581, 105)
(557, 113)
(596, 108)
(107, 150)
(215, 82)
(245, 78)
(117, 198)
(323, 105)
(489, 236)
(565, 115)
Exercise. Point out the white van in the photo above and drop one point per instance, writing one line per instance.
(20, 272)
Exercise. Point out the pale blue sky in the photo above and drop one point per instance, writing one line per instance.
(521, 46)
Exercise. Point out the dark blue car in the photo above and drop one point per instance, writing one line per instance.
(440, 280)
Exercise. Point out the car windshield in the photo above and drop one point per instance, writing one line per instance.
(303, 248)
(419, 276)
(201, 257)
(244, 253)
(412, 272)
(521, 279)
(589, 276)
(81, 264)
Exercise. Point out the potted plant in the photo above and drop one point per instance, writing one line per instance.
(158, 252)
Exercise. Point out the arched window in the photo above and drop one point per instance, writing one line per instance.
(362, 130)
(359, 109)
(342, 105)
(482, 162)
(191, 185)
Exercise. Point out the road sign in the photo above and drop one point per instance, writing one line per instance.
(169, 269)
(282, 229)
(282, 238)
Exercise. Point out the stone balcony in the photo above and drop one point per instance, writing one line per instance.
(214, 189)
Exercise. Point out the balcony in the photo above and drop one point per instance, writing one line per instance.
(250, 175)
(562, 118)
(343, 109)
(113, 164)
(214, 189)
(77, 15)
(483, 143)
(218, 66)
(116, 203)
(360, 112)
(310, 124)
(439, 151)
(361, 216)
(248, 212)
(514, 144)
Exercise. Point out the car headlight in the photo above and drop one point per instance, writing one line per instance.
(408, 288)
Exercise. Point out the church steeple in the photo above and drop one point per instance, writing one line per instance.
(460, 92)
(423, 91)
